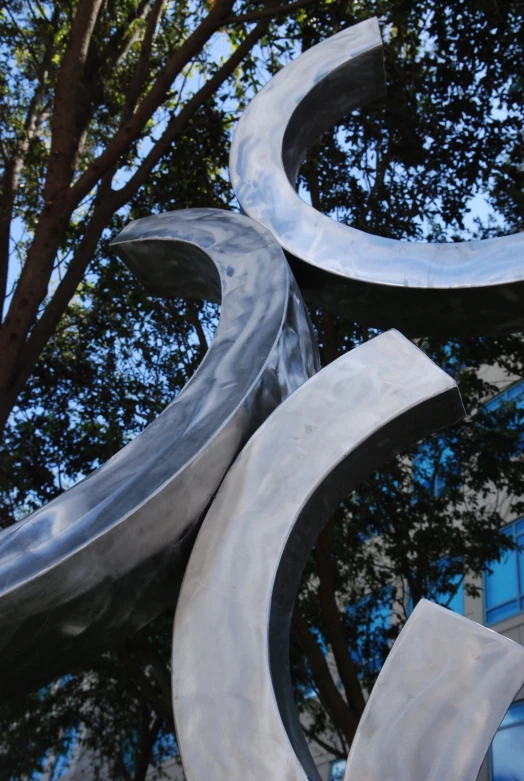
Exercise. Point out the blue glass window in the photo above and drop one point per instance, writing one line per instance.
(429, 473)
(63, 761)
(56, 766)
(504, 585)
(336, 770)
(456, 602)
(374, 619)
(425, 464)
(507, 749)
(515, 395)
(165, 747)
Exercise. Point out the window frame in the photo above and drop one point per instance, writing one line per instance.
(491, 773)
(519, 598)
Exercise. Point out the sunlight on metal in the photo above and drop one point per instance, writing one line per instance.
(437, 702)
(464, 287)
(282, 444)
(231, 682)
(107, 556)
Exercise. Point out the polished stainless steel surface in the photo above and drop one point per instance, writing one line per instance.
(107, 556)
(233, 702)
(437, 702)
(104, 558)
(475, 286)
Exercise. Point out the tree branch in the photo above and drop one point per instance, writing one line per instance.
(27, 45)
(337, 752)
(160, 705)
(146, 653)
(264, 13)
(20, 352)
(340, 713)
(129, 131)
(140, 73)
(148, 738)
(45, 326)
(14, 163)
(177, 124)
(195, 320)
(54, 219)
(333, 623)
(118, 45)
(64, 131)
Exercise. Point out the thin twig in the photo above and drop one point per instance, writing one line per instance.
(264, 13)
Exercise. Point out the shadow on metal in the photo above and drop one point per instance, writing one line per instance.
(470, 287)
(107, 556)
(231, 684)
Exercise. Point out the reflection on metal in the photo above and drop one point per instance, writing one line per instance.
(107, 556)
(469, 287)
(231, 684)
(437, 702)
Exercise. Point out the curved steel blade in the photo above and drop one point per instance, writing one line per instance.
(469, 287)
(107, 556)
(438, 701)
(233, 702)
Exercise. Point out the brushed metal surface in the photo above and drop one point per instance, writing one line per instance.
(469, 287)
(438, 701)
(107, 556)
(233, 702)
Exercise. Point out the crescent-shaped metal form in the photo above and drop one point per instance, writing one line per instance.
(107, 556)
(438, 701)
(234, 711)
(470, 287)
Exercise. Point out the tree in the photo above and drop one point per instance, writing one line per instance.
(93, 96)
(449, 130)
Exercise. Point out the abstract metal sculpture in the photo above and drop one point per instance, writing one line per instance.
(438, 701)
(469, 287)
(234, 612)
(107, 556)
